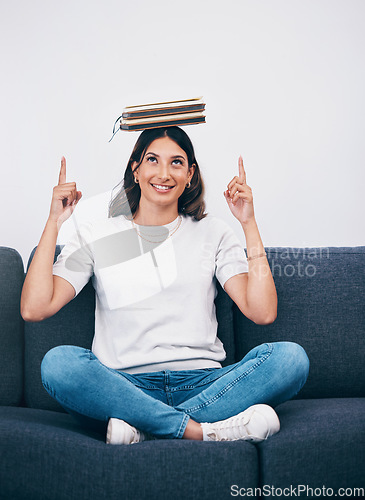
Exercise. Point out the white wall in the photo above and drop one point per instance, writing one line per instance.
(283, 82)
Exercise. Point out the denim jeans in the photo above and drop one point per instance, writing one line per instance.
(161, 403)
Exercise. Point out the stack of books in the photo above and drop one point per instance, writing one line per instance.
(162, 114)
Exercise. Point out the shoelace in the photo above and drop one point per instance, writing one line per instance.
(136, 436)
(232, 430)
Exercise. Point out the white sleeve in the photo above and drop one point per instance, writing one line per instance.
(230, 257)
(75, 263)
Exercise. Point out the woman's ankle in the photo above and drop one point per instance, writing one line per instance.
(193, 431)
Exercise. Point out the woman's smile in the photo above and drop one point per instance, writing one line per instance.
(161, 188)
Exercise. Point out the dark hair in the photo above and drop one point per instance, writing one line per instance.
(191, 202)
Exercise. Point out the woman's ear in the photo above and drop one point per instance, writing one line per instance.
(133, 167)
(191, 171)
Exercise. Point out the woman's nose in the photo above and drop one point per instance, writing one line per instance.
(164, 172)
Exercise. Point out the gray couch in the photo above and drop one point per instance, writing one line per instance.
(45, 454)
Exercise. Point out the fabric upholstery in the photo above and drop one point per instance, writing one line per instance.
(321, 306)
(224, 312)
(58, 460)
(321, 442)
(72, 325)
(11, 327)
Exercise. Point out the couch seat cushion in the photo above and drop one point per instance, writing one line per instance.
(321, 443)
(46, 455)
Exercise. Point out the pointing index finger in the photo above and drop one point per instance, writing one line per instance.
(62, 176)
(242, 173)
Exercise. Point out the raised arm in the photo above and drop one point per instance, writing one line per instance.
(254, 292)
(44, 294)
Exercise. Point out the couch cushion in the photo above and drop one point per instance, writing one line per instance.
(72, 325)
(46, 455)
(224, 313)
(321, 306)
(12, 327)
(321, 443)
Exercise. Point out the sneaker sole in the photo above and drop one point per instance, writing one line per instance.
(109, 432)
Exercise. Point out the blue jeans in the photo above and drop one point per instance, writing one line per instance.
(161, 403)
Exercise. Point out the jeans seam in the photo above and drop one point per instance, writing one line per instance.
(135, 383)
(232, 383)
(200, 384)
(183, 425)
(92, 357)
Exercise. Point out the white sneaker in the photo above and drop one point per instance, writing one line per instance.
(255, 424)
(119, 432)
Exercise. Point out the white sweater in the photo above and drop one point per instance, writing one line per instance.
(154, 301)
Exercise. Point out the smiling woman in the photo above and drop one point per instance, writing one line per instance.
(161, 157)
(155, 365)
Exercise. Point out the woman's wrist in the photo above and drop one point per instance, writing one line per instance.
(53, 225)
(257, 256)
(254, 245)
(250, 224)
(51, 221)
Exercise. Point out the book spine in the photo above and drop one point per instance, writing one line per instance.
(167, 103)
(158, 112)
(172, 123)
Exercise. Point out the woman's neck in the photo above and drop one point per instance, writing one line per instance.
(155, 216)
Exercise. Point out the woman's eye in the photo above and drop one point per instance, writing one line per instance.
(153, 159)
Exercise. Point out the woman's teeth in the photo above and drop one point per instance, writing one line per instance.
(163, 188)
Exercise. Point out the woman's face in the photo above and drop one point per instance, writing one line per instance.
(164, 172)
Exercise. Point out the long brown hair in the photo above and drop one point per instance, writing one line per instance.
(191, 202)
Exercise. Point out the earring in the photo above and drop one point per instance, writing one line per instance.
(136, 181)
(188, 185)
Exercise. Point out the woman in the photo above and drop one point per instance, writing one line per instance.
(154, 370)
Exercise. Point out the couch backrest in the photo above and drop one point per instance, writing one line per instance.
(321, 296)
(321, 306)
(11, 328)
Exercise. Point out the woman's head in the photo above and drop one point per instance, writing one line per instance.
(170, 162)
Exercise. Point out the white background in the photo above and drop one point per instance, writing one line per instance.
(283, 82)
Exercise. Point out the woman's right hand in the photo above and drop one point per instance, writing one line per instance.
(65, 197)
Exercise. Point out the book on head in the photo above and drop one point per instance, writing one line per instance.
(182, 112)
(162, 114)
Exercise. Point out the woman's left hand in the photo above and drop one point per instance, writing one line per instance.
(239, 196)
